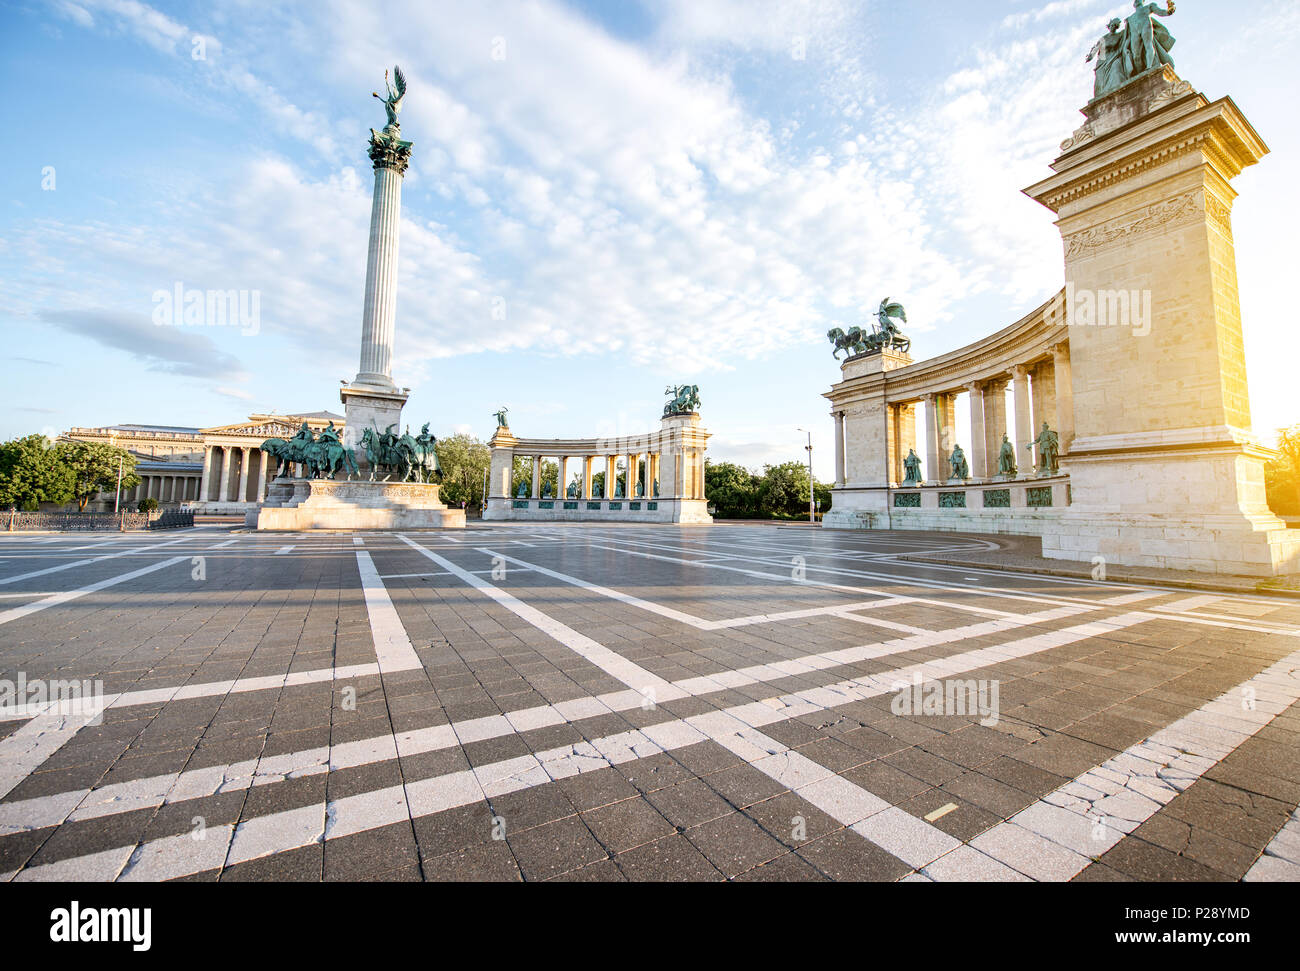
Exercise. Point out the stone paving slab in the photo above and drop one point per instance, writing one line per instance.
(627, 703)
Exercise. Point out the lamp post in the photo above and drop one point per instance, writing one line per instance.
(812, 491)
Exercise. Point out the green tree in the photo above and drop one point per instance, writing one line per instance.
(147, 504)
(1282, 474)
(93, 467)
(465, 461)
(31, 473)
(784, 489)
(732, 489)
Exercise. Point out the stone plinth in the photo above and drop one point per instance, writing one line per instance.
(870, 442)
(1164, 467)
(303, 504)
(364, 408)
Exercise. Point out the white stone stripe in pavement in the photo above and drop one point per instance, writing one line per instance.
(23, 751)
(392, 647)
(1057, 837)
(1280, 861)
(93, 559)
(17, 613)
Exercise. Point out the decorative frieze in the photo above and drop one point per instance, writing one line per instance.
(1152, 219)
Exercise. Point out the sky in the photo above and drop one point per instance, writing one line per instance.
(605, 198)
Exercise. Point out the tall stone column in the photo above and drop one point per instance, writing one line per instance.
(1024, 422)
(372, 400)
(562, 477)
(978, 439)
(537, 477)
(586, 476)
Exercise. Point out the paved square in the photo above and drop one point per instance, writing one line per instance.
(628, 703)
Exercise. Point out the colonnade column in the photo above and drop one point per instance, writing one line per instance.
(932, 425)
(1024, 424)
(1064, 394)
(536, 491)
(978, 440)
(995, 421)
(586, 476)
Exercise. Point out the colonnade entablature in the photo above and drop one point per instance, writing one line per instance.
(656, 476)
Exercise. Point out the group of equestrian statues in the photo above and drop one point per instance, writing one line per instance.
(389, 455)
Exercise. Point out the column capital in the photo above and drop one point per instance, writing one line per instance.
(1020, 371)
(388, 151)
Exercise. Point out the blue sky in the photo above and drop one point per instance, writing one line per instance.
(654, 192)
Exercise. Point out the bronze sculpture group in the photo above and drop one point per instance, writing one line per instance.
(323, 456)
(885, 334)
(1133, 47)
(684, 400)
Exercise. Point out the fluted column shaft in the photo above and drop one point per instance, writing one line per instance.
(380, 317)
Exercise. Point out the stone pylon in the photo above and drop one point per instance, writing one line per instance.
(372, 400)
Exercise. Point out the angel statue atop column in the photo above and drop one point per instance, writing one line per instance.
(393, 103)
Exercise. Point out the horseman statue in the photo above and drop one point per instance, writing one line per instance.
(426, 456)
(389, 453)
(322, 457)
(684, 400)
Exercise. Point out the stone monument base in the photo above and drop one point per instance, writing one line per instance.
(368, 407)
(1180, 500)
(302, 504)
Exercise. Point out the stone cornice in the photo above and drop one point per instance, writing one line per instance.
(1218, 131)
